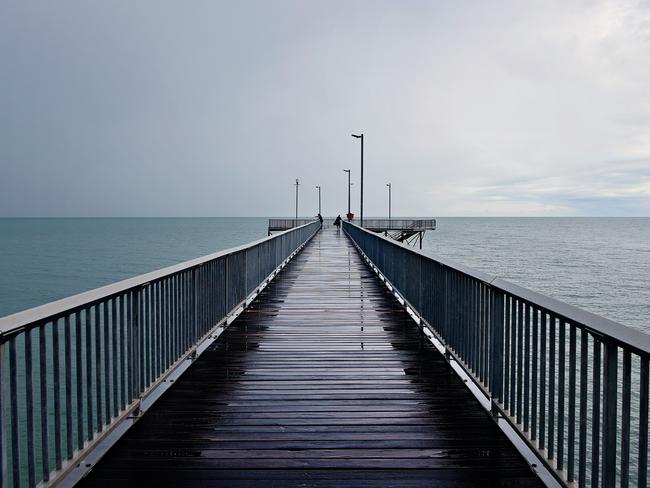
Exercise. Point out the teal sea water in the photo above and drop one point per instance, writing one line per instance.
(599, 264)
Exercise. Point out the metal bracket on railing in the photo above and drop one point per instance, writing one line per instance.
(137, 412)
(494, 409)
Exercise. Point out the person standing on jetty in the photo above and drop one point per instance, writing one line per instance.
(337, 222)
(320, 219)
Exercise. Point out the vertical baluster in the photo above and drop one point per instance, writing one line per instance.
(114, 356)
(184, 315)
(526, 343)
(560, 395)
(107, 367)
(131, 343)
(166, 321)
(533, 400)
(520, 358)
(138, 326)
(475, 313)
(595, 417)
(13, 405)
(572, 404)
(479, 333)
(514, 320)
(146, 335)
(159, 348)
(123, 324)
(4, 421)
(485, 312)
(68, 387)
(643, 424)
(506, 353)
(551, 388)
(464, 322)
(497, 344)
(610, 393)
(98, 367)
(56, 375)
(625, 420)
(79, 377)
(174, 312)
(29, 407)
(42, 377)
(460, 325)
(582, 442)
(542, 380)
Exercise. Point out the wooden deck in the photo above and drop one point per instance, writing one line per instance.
(323, 381)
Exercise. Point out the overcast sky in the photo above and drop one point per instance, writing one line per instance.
(191, 108)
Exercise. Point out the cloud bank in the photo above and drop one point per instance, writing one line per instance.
(214, 108)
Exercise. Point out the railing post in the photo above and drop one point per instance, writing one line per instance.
(496, 344)
(3, 419)
(135, 350)
(195, 306)
(609, 413)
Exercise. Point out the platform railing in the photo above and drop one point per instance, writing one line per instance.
(399, 224)
(572, 384)
(75, 371)
(284, 224)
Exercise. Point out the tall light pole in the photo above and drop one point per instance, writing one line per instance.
(348, 172)
(390, 187)
(360, 136)
(318, 198)
(297, 184)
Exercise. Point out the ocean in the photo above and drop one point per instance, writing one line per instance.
(599, 264)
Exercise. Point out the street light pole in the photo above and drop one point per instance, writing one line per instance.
(390, 187)
(318, 199)
(297, 184)
(348, 172)
(360, 136)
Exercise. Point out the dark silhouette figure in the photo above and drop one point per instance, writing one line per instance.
(337, 222)
(320, 219)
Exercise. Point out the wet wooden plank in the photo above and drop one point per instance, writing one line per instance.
(324, 380)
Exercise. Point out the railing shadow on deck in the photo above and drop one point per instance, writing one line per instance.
(76, 373)
(572, 384)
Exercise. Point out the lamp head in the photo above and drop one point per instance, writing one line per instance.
(357, 136)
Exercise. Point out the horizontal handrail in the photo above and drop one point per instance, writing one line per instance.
(573, 385)
(75, 371)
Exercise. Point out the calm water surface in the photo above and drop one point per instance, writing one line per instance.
(47, 259)
(600, 264)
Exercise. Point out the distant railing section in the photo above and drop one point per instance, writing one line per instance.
(380, 225)
(284, 224)
(574, 385)
(72, 370)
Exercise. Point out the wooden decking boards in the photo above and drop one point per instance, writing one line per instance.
(323, 381)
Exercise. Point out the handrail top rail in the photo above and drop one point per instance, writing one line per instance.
(48, 311)
(609, 329)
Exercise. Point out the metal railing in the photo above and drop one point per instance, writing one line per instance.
(284, 224)
(75, 371)
(572, 384)
(399, 224)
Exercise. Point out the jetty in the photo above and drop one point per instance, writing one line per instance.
(321, 357)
